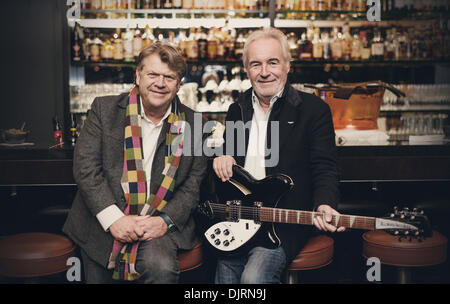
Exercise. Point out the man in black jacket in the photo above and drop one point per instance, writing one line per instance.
(298, 128)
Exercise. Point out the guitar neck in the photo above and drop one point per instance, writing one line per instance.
(289, 216)
(307, 218)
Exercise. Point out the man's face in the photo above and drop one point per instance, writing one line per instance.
(158, 84)
(266, 68)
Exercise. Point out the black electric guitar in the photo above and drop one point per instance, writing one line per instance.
(248, 207)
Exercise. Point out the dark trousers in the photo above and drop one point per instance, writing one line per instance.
(156, 262)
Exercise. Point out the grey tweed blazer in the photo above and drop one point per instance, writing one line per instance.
(97, 169)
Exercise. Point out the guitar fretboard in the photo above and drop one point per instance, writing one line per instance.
(289, 216)
(307, 218)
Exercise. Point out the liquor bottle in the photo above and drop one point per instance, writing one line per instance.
(293, 45)
(347, 42)
(128, 45)
(212, 44)
(177, 4)
(147, 4)
(182, 43)
(313, 5)
(220, 37)
(94, 48)
(191, 46)
(229, 46)
(377, 48)
(305, 48)
(365, 48)
(148, 38)
(239, 46)
(202, 45)
(107, 51)
(57, 133)
(167, 4)
(322, 5)
(336, 44)
(73, 130)
(356, 48)
(118, 45)
(76, 47)
(317, 46)
(326, 45)
(187, 4)
(389, 48)
(303, 5)
(137, 42)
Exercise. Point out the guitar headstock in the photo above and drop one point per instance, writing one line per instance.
(414, 223)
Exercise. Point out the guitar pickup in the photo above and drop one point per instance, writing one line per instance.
(233, 210)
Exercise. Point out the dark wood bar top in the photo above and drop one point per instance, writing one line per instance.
(39, 165)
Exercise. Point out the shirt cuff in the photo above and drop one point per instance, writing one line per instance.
(109, 215)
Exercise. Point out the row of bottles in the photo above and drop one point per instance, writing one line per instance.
(314, 44)
(394, 43)
(302, 5)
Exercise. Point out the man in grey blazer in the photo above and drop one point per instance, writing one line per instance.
(97, 217)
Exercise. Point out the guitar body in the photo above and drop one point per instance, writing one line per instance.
(235, 234)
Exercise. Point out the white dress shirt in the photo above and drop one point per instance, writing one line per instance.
(150, 135)
(255, 159)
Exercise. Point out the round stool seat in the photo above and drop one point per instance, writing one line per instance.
(428, 252)
(190, 259)
(317, 253)
(34, 254)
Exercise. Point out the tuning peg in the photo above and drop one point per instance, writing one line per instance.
(412, 217)
(396, 232)
(406, 232)
(402, 215)
(392, 215)
(417, 233)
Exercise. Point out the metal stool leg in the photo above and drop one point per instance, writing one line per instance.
(404, 275)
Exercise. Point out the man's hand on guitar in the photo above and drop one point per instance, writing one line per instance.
(321, 221)
(223, 166)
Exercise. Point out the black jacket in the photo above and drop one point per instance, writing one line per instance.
(307, 153)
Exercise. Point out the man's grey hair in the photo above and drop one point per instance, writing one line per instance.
(268, 32)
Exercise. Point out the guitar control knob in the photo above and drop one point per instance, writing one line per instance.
(212, 236)
(226, 232)
(217, 231)
(217, 242)
(226, 243)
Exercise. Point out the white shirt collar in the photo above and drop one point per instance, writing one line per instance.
(169, 109)
(255, 100)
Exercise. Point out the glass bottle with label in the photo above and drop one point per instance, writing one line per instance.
(202, 44)
(212, 44)
(347, 42)
(293, 45)
(137, 42)
(356, 48)
(191, 45)
(76, 47)
(239, 46)
(182, 43)
(377, 48)
(317, 46)
(188, 4)
(147, 38)
(336, 44)
(94, 49)
(128, 45)
(229, 46)
(305, 48)
(118, 45)
(365, 48)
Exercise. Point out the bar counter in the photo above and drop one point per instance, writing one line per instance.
(40, 166)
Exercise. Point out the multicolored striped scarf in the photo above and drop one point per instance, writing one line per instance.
(134, 182)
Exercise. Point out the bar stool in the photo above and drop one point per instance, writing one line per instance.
(317, 253)
(190, 259)
(407, 254)
(34, 254)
